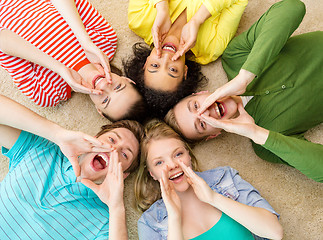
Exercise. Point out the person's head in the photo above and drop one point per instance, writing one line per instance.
(119, 100)
(124, 136)
(159, 87)
(184, 116)
(161, 148)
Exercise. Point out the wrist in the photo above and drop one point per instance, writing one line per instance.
(117, 209)
(246, 76)
(259, 135)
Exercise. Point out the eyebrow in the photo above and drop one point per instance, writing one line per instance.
(160, 157)
(120, 89)
(118, 136)
(154, 71)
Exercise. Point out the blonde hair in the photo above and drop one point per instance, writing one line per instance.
(147, 190)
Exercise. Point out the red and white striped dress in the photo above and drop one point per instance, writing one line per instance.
(38, 22)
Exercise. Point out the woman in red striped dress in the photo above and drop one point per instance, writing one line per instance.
(50, 48)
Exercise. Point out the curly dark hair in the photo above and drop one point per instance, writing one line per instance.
(159, 102)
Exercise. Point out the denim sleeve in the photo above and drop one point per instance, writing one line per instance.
(248, 194)
(145, 232)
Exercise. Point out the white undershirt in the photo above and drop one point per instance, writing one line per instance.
(245, 100)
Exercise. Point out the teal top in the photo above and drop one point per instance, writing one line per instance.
(226, 228)
(39, 198)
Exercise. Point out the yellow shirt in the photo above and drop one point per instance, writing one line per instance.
(214, 34)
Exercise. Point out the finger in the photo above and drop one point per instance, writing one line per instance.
(92, 140)
(115, 163)
(111, 161)
(211, 121)
(75, 165)
(120, 173)
(241, 109)
(88, 183)
(184, 168)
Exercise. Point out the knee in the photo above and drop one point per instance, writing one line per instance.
(296, 8)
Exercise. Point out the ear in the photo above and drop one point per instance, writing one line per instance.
(201, 92)
(185, 71)
(125, 175)
(129, 80)
(212, 136)
(152, 176)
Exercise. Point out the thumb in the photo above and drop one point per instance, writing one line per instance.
(241, 109)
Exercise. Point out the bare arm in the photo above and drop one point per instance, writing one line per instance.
(8, 44)
(71, 15)
(259, 221)
(14, 116)
(111, 193)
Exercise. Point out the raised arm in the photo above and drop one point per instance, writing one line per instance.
(259, 221)
(275, 147)
(190, 31)
(248, 54)
(72, 144)
(111, 193)
(71, 15)
(25, 50)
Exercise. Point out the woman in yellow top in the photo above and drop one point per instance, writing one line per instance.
(176, 26)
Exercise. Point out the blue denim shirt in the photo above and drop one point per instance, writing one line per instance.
(153, 224)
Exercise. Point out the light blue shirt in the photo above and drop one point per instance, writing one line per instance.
(39, 198)
(153, 224)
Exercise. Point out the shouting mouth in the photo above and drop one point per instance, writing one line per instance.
(97, 80)
(219, 109)
(100, 162)
(169, 47)
(177, 177)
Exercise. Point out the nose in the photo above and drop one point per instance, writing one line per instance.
(171, 164)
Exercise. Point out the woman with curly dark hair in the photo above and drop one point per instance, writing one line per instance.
(180, 30)
(158, 100)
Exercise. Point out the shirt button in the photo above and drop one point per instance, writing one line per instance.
(283, 86)
(267, 92)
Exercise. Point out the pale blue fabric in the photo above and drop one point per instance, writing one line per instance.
(224, 180)
(39, 198)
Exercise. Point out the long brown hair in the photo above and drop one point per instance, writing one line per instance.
(147, 190)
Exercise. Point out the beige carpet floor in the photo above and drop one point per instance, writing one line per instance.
(298, 199)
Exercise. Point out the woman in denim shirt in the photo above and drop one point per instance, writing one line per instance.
(200, 205)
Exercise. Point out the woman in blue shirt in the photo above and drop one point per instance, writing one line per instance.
(217, 202)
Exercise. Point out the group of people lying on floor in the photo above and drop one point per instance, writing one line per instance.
(65, 184)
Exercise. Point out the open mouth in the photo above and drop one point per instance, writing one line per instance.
(100, 162)
(96, 80)
(169, 47)
(176, 177)
(219, 109)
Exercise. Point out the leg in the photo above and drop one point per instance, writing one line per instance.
(255, 48)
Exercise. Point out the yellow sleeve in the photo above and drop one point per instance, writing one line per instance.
(154, 2)
(141, 17)
(217, 6)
